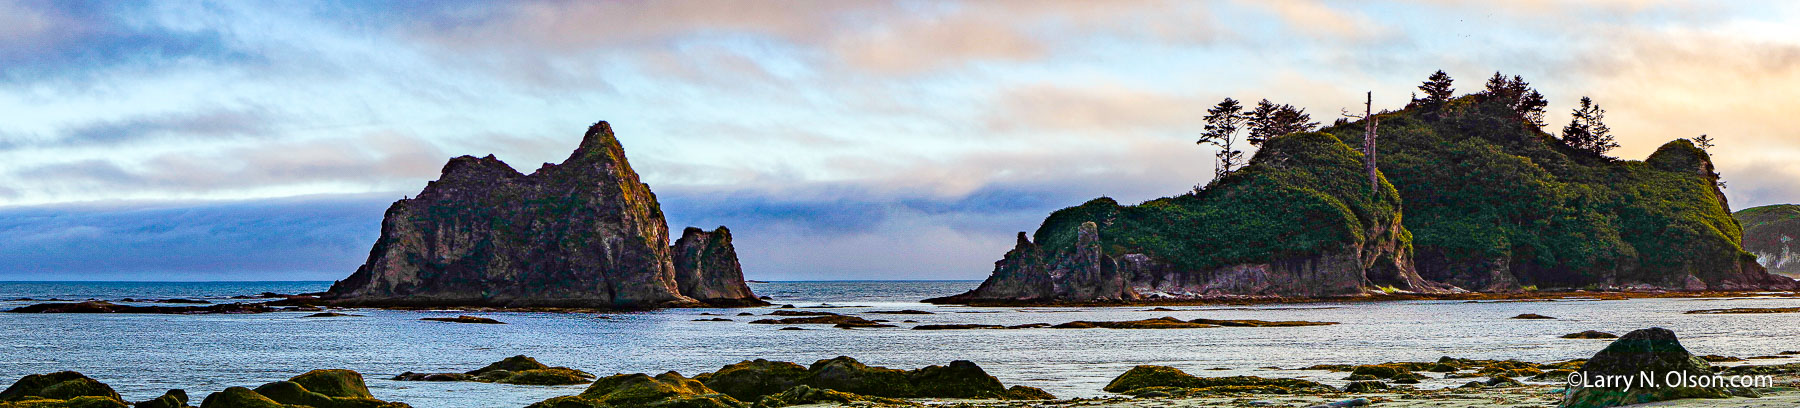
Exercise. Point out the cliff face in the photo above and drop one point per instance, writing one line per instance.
(1498, 206)
(1298, 222)
(583, 233)
(1770, 233)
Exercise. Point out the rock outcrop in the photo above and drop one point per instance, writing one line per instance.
(1298, 222)
(1772, 233)
(518, 370)
(758, 379)
(1652, 355)
(583, 233)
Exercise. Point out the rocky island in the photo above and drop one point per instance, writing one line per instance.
(1769, 233)
(585, 233)
(1469, 198)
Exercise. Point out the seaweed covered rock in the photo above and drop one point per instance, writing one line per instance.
(314, 389)
(666, 390)
(519, 370)
(1654, 353)
(64, 389)
(583, 233)
(753, 380)
(805, 395)
(1772, 233)
(1299, 221)
(1172, 381)
(172, 399)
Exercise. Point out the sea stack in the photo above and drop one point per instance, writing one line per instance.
(584, 233)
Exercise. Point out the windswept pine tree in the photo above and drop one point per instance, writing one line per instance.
(1269, 120)
(1526, 103)
(1437, 89)
(1587, 130)
(1223, 121)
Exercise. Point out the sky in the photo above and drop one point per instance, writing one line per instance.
(195, 140)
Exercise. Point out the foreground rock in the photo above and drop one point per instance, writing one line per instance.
(638, 390)
(519, 370)
(314, 389)
(97, 306)
(1653, 352)
(1161, 381)
(170, 399)
(755, 380)
(60, 389)
(585, 233)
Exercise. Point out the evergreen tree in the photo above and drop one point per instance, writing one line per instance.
(1437, 88)
(1269, 120)
(1526, 103)
(1704, 142)
(1587, 129)
(1222, 124)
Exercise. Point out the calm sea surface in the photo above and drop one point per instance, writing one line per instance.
(143, 355)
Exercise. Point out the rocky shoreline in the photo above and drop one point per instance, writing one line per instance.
(844, 381)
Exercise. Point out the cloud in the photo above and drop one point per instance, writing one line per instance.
(75, 40)
(220, 124)
(379, 158)
(298, 238)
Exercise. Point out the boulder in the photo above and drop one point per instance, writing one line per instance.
(752, 380)
(1655, 351)
(805, 395)
(1365, 386)
(63, 385)
(172, 399)
(314, 389)
(1153, 377)
(669, 390)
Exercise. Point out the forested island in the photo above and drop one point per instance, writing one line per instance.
(1451, 194)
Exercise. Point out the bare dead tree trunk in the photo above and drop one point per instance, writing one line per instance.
(1369, 151)
(1370, 125)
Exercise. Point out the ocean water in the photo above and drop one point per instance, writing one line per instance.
(143, 355)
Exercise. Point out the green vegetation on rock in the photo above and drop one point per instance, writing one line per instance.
(1772, 233)
(1494, 203)
(314, 389)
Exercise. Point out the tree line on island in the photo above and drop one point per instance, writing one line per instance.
(1587, 130)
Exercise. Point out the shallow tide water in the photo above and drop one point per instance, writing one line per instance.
(143, 355)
